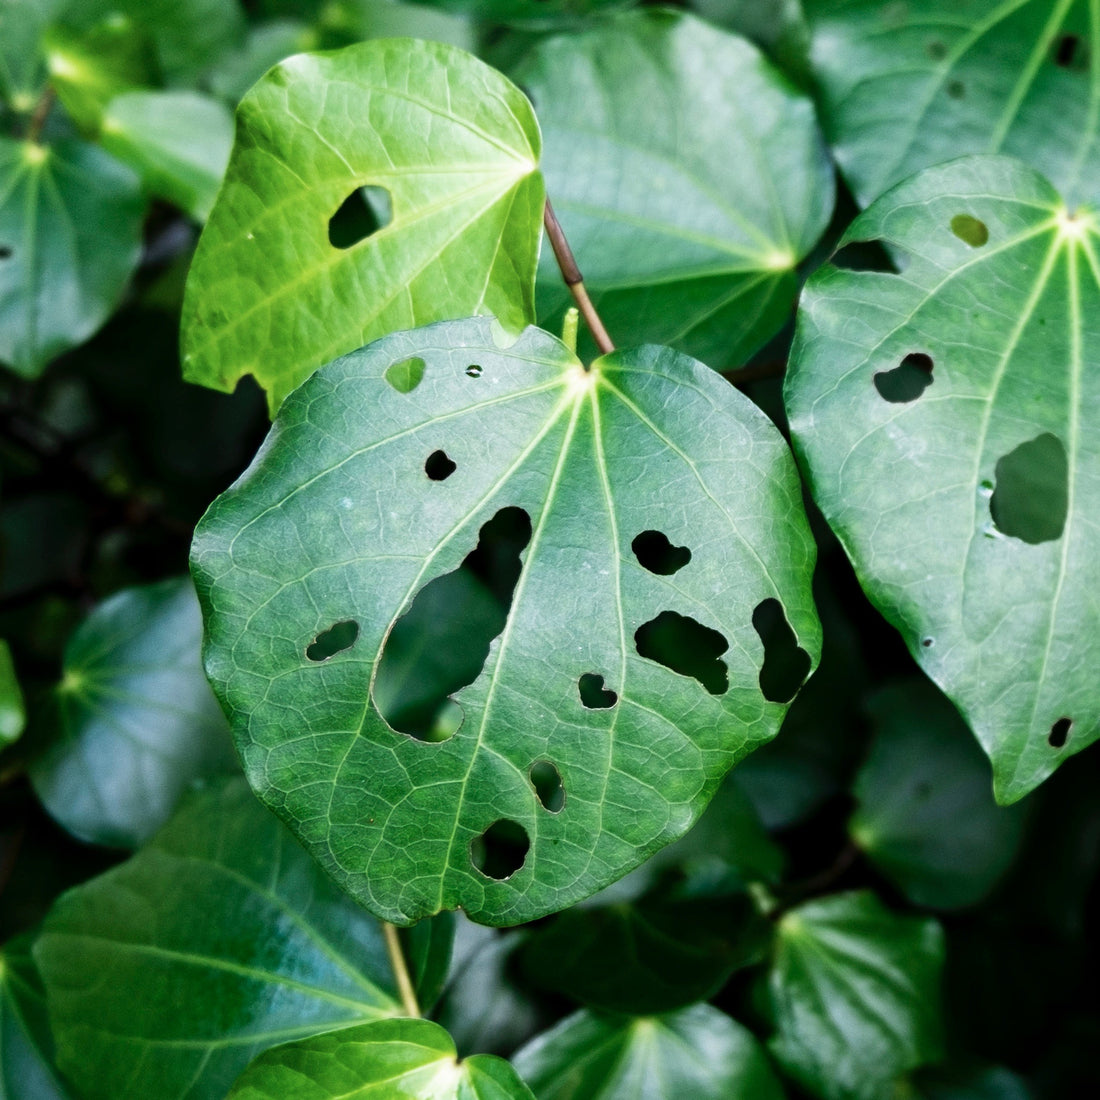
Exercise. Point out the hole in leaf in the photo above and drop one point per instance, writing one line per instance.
(439, 467)
(593, 694)
(655, 553)
(1031, 499)
(5, 252)
(1071, 52)
(972, 231)
(937, 50)
(501, 850)
(956, 89)
(686, 647)
(928, 643)
(406, 375)
(335, 640)
(362, 214)
(546, 780)
(1059, 733)
(473, 370)
(869, 256)
(440, 644)
(907, 381)
(786, 663)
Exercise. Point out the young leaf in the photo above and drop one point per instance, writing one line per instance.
(620, 690)
(382, 1060)
(168, 974)
(454, 146)
(855, 994)
(70, 235)
(13, 714)
(138, 723)
(948, 420)
(907, 86)
(27, 1071)
(697, 1052)
(689, 216)
(926, 817)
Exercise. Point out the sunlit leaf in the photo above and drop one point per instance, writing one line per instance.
(13, 715)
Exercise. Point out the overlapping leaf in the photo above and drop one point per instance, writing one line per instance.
(948, 418)
(689, 215)
(650, 523)
(906, 86)
(453, 144)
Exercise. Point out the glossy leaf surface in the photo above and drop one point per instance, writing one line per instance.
(698, 1052)
(687, 217)
(926, 816)
(948, 418)
(855, 995)
(168, 974)
(906, 86)
(384, 1060)
(137, 721)
(13, 713)
(453, 144)
(70, 235)
(326, 542)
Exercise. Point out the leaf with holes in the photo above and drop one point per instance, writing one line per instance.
(948, 419)
(383, 1060)
(616, 688)
(449, 149)
(905, 86)
(855, 995)
(689, 217)
(168, 974)
(70, 235)
(697, 1052)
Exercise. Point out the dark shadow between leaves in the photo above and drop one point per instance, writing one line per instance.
(362, 214)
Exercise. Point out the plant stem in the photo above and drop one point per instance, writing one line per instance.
(41, 112)
(567, 264)
(400, 971)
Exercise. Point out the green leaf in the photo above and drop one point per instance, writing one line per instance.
(168, 974)
(22, 23)
(906, 86)
(688, 217)
(947, 418)
(926, 816)
(384, 1060)
(266, 45)
(27, 1071)
(698, 1052)
(13, 713)
(980, 1083)
(620, 687)
(70, 235)
(454, 145)
(178, 142)
(138, 723)
(533, 13)
(855, 995)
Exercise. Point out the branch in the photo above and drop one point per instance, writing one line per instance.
(400, 971)
(41, 113)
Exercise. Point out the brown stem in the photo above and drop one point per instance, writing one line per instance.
(41, 113)
(567, 263)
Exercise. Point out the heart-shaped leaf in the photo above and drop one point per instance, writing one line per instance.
(168, 974)
(450, 149)
(697, 1052)
(383, 1060)
(616, 697)
(688, 216)
(906, 86)
(948, 419)
(855, 994)
(70, 235)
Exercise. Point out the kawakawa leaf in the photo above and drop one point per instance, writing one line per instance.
(689, 216)
(275, 291)
(948, 417)
(649, 533)
(383, 1060)
(906, 86)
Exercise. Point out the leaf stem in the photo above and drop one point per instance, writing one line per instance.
(567, 264)
(400, 971)
(41, 112)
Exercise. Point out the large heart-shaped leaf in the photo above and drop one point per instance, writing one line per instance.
(274, 291)
(948, 420)
(383, 1060)
(70, 235)
(648, 523)
(689, 216)
(168, 974)
(906, 86)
